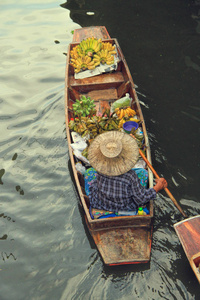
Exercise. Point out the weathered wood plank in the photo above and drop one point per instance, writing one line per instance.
(99, 32)
(108, 80)
(103, 95)
(188, 232)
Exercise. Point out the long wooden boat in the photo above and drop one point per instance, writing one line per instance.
(188, 232)
(125, 239)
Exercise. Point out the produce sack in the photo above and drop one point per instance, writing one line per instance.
(122, 102)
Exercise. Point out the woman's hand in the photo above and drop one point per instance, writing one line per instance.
(161, 183)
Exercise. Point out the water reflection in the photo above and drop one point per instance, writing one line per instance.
(81, 12)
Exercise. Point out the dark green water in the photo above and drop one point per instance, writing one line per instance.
(46, 252)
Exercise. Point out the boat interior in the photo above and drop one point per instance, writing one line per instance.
(104, 90)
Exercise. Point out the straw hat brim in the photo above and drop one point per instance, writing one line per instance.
(118, 165)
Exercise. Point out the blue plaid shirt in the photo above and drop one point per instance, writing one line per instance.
(123, 192)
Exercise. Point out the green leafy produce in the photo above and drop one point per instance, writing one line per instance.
(84, 107)
(92, 126)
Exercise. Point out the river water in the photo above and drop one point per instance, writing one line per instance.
(46, 251)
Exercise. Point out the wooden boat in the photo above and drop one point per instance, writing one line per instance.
(120, 240)
(188, 232)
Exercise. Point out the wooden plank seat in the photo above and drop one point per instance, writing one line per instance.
(112, 80)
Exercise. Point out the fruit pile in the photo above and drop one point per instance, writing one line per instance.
(84, 107)
(125, 114)
(91, 53)
(126, 111)
(86, 122)
(92, 126)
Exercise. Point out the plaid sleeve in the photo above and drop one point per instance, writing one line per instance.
(140, 194)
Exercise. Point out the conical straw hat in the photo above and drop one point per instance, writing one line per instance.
(113, 153)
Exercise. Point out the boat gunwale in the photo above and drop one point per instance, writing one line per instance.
(185, 220)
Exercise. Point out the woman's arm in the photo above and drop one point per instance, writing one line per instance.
(161, 183)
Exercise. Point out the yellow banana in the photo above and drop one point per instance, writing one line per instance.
(126, 112)
(91, 42)
(109, 62)
(134, 120)
(121, 122)
(97, 48)
(88, 59)
(95, 44)
(91, 67)
(132, 112)
(83, 45)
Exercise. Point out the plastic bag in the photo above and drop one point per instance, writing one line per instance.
(140, 164)
(79, 142)
(78, 154)
(80, 145)
(125, 101)
(76, 137)
(80, 167)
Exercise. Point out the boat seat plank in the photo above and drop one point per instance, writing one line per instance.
(106, 95)
(108, 80)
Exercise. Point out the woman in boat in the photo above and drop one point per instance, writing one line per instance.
(116, 187)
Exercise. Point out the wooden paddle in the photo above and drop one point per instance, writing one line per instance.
(157, 176)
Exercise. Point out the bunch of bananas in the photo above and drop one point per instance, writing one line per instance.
(108, 46)
(104, 57)
(126, 111)
(82, 63)
(90, 53)
(90, 46)
(84, 107)
(99, 124)
(123, 120)
(75, 52)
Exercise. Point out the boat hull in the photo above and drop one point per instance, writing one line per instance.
(120, 240)
(123, 245)
(188, 232)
